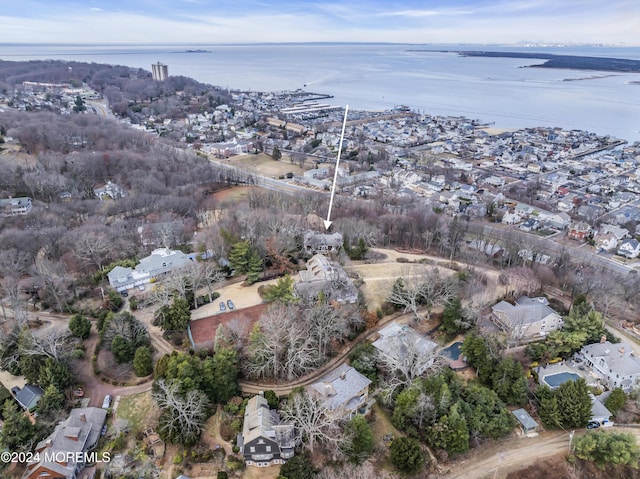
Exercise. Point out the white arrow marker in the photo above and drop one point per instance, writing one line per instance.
(328, 222)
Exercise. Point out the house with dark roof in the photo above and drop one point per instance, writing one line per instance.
(60, 455)
(615, 364)
(265, 440)
(343, 391)
(528, 318)
(28, 396)
(322, 243)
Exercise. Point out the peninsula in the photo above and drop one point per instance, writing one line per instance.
(572, 62)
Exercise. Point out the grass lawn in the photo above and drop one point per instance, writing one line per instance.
(139, 410)
(267, 166)
(380, 427)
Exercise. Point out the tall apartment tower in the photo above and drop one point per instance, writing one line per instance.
(159, 71)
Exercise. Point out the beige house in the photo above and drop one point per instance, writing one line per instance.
(528, 318)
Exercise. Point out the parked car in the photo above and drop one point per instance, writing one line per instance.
(141, 287)
(223, 307)
(124, 293)
(593, 425)
(230, 304)
(107, 402)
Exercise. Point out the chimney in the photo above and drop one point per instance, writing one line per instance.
(83, 418)
(621, 350)
(603, 339)
(343, 375)
(49, 443)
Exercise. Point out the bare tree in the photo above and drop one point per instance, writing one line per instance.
(185, 413)
(54, 345)
(405, 357)
(314, 423)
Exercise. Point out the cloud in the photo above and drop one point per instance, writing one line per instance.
(249, 21)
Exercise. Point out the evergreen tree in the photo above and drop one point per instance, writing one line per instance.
(509, 382)
(574, 403)
(176, 316)
(604, 447)
(281, 291)
(406, 455)
(548, 408)
(80, 326)
(616, 400)
(255, 266)
(360, 445)
(457, 433)
(142, 361)
(122, 349)
(17, 433)
(451, 318)
(220, 375)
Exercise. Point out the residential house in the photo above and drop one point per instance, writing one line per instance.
(511, 218)
(344, 391)
(558, 220)
(160, 261)
(579, 230)
(616, 364)
(606, 241)
(325, 277)
(322, 243)
(527, 423)
(60, 455)
(265, 441)
(528, 318)
(397, 341)
(629, 248)
(489, 248)
(15, 206)
(530, 225)
(619, 232)
(110, 190)
(28, 396)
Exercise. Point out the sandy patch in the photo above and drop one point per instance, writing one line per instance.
(8, 380)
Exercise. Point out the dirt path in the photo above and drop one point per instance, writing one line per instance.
(510, 455)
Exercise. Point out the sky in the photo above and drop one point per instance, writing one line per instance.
(266, 21)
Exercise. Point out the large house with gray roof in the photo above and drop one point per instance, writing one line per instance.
(344, 391)
(28, 396)
(616, 364)
(324, 277)
(77, 434)
(528, 318)
(264, 440)
(160, 261)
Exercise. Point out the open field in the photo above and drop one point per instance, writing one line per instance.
(265, 165)
(237, 193)
(140, 411)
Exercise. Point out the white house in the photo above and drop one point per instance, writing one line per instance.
(629, 248)
(616, 364)
(160, 261)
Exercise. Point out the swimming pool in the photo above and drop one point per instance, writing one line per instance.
(555, 380)
(452, 352)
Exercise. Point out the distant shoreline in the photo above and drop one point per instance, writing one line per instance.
(571, 62)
